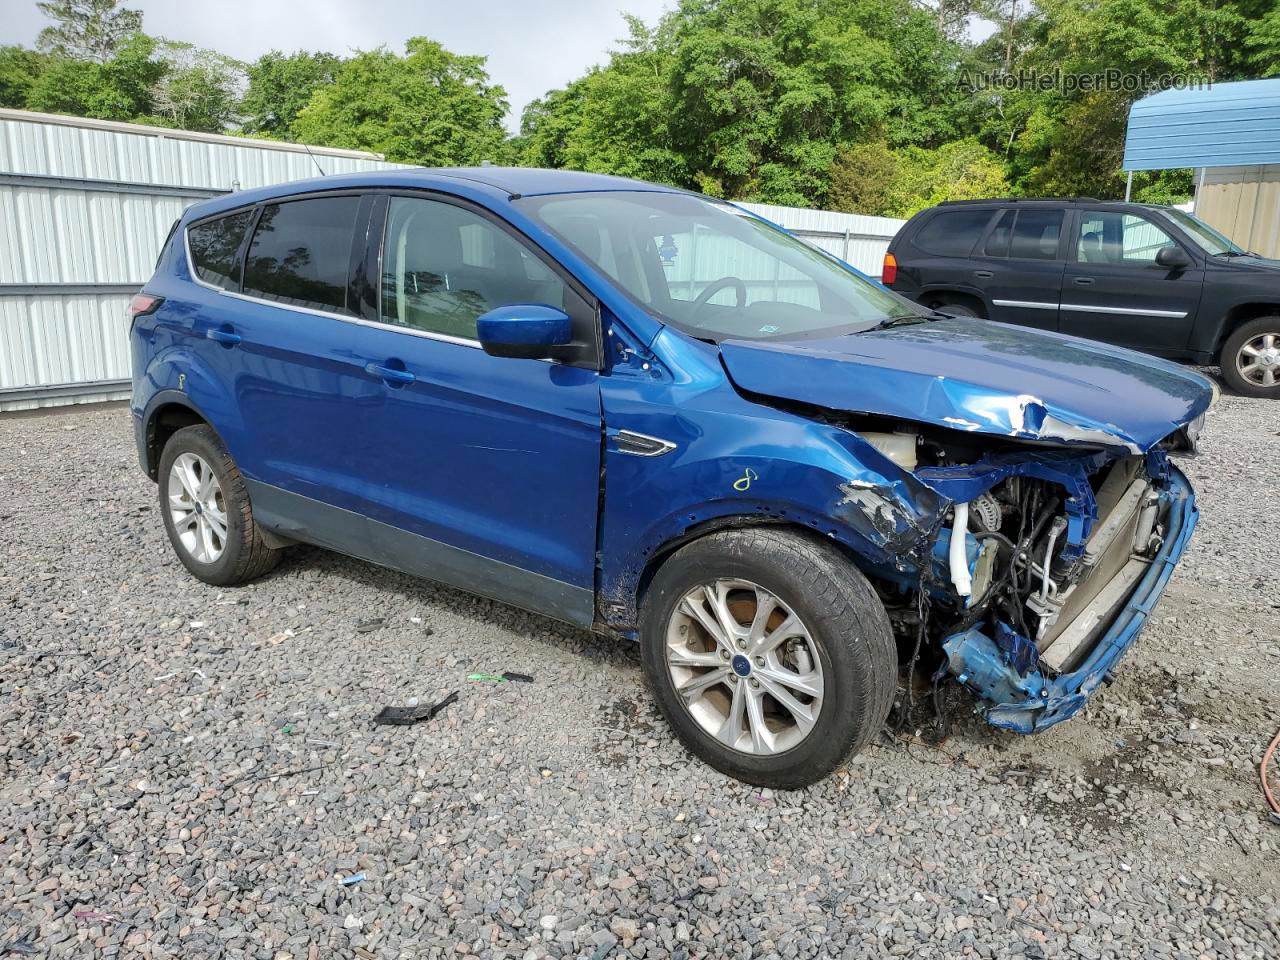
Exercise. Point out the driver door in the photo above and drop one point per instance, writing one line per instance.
(490, 475)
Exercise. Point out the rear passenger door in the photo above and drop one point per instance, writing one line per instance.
(303, 398)
(1018, 266)
(1115, 291)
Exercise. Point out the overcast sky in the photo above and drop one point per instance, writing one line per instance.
(532, 46)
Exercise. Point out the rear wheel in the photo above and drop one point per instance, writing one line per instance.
(207, 512)
(769, 654)
(1250, 358)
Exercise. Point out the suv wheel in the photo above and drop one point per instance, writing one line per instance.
(1250, 358)
(769, 654)
(206, 510)
(958, 310)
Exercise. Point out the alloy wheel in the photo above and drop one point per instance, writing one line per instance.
(1258, 360)
(197, 508)
(744, 666)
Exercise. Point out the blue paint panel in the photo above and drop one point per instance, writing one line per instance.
(961, 374)
(1227, 125)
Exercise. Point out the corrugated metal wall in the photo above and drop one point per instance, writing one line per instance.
(84, 207)
(856, 239)
(1244, 204)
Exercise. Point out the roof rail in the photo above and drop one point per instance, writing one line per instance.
(954, 203)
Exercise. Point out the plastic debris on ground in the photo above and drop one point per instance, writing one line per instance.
(368, 626)
(352, 880)
(403, 716)
(508, 677)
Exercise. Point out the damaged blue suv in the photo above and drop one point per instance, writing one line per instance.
(649, 413)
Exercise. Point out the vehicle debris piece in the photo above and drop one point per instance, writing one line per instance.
(404, 716)
(486, 678)
(368, 626)
(352, 880)
(517, 677)
(93, 915)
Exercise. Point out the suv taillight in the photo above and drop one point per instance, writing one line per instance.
(890, 271)
(142, 304)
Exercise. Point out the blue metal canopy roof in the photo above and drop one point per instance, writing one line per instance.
(1226, 125)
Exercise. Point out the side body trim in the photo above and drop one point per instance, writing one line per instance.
(306, 520)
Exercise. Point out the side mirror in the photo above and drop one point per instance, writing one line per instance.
(529, 331)
(1172, 257)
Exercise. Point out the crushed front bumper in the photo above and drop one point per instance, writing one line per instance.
(1031, 701)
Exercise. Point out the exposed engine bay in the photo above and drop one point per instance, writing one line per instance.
(1033, 565)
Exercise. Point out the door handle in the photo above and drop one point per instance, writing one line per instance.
(389, 374)
(228, 338)
(1083, 281)
(983, 274)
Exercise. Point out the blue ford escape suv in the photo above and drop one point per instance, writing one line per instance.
(649, 413)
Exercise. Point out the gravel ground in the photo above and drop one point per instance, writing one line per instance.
(144, 718)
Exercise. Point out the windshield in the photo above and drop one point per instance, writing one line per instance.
(1207, 238)
(714, 271)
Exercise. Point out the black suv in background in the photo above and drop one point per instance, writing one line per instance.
(1148, 277)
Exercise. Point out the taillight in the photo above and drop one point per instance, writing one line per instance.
(142, 304)
(890, 271)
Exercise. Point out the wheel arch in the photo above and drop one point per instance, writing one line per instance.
(168, 413)
(620, 604)
(935, 297)
(1241, 314)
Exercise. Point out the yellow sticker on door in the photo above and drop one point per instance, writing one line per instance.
(743, 483)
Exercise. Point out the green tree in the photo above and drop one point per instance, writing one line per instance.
(862, 179)
(86, 29)
(1264, 43)
(120, 89)
(280, 86)
(19, 70)
(429, 106)
(764, 90)
(199, 89)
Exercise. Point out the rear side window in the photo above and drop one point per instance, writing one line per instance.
(1035, 235)
(952, 233)
(301, 253)
(214, 246)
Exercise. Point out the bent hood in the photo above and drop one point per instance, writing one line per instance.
(981, 376)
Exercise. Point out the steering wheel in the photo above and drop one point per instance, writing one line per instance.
(705, 296)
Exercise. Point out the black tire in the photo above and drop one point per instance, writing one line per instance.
(958, 310)
(244, 554)
(843, 616)
(1230, 358)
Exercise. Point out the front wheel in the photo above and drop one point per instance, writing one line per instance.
(1250, 358)
(769, 654)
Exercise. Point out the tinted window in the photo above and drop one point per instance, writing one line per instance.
(443, 266)
(1035, 234)
(952, 233)
(214, 245)
(997, 244)
(301, 253)
(1119, 238)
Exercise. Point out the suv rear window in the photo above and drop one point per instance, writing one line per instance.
(952, 233)
(301, 253)
(214, 245)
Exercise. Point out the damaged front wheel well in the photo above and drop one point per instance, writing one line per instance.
(737, 522)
